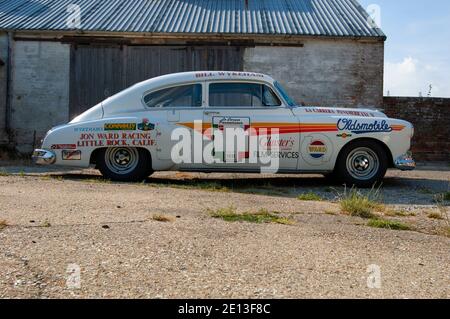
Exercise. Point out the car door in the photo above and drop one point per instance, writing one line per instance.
(256, 107)
(171, 107)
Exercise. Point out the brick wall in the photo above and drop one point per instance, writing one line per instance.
(40, 91)
(344, 73)
(431, 119)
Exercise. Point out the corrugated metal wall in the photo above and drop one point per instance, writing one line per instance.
(98, 72)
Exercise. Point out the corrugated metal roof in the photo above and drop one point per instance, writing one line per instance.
(275, 17)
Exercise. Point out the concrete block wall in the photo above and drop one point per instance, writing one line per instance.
(40, 91)
(3, 85)
(431, 119)
(344, 73)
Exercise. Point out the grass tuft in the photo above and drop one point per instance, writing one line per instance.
(4, 172)
(435, 215)
(446, 196)
(310, 197)
(163, 218)
(46, 224)
(358, 204)
(387, 224)
(399, 213)
(262, 216)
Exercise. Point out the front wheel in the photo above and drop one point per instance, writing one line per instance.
(124, 164)
(362, 164)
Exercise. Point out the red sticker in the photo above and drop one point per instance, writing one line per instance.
(64, 146)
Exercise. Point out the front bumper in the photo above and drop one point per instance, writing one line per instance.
(43, 157)
(405, 163)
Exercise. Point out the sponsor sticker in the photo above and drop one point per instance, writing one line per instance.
(63, 146)
(317, 149)
(69, 155)
(146, 125)
(120, 126)
(88, 129)
(344, 135)
(359, 127)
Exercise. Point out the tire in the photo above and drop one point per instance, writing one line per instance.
(362, 164)
(124, 164)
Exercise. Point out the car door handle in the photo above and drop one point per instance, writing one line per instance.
(212, 113)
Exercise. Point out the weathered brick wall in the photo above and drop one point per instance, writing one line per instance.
(40, 91)
(344, 73)
(431, 119)
(3, 77)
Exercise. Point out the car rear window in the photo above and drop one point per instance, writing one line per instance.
(178, 96)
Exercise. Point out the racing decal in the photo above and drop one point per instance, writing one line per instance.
(69, 155)
(284, 144)
(344, 135)
(88, 129)
(223, 123)
(283, 128)
(120, 127)
(228, 74)
(340, 112)
(279, 155)
(146, 125)
(63, 146)
(317, 149)
(358, 127)
(115, 139)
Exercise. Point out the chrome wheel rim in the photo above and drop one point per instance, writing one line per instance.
(121, 160)
(363, 163)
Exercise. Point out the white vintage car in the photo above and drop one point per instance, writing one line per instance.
(181, 122)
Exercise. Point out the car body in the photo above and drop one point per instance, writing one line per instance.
(137, 126)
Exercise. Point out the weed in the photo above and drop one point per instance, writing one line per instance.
(358, 204)
(310, 197)
(387, 224)
(4, 172)
(262, 216)
(435, 215)
(446, 196)
(399, 213)
(424, 190)
(46, 224)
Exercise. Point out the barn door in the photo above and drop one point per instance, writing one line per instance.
(96, 73)
(99, 71)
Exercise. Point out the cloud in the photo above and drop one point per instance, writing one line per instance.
(411, 76)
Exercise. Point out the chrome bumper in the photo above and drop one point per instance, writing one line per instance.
(43, 157)
(405, 163)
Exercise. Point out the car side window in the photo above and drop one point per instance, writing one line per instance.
(178, 96)
(241, 95)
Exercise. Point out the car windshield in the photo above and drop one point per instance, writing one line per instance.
(285, 95)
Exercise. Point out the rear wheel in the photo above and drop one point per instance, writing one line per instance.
(362, 164)
(125, 164)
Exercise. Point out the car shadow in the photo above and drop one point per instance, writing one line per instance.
(393, 191)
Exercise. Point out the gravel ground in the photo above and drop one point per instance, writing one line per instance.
(58, 218)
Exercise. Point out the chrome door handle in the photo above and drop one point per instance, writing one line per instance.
(211, 113)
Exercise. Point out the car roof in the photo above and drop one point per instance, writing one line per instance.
(184, 77)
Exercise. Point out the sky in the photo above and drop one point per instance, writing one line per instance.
(417, 51)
